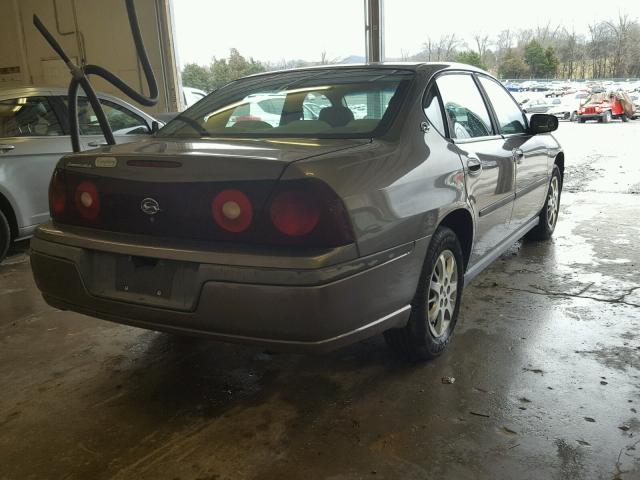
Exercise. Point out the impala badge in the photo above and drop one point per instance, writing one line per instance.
(150, 206)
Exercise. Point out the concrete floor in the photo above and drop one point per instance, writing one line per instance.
(546, 360)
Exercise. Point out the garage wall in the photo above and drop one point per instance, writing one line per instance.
(94, 31)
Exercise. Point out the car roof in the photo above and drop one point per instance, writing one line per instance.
(414, 66)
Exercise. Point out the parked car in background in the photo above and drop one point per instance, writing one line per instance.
(603, 107)
(569, 106)
(540, 105)
(34, 134)
(314, 232)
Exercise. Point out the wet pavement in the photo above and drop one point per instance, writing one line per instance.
(546, 361)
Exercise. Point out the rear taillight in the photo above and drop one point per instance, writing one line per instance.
(232, 210)
(87, 200)
(295, 213)
(292, 213)
(57, 195)
(307, 213)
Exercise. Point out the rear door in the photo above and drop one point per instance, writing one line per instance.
(528, 153)
(488, 171)
(31, 143)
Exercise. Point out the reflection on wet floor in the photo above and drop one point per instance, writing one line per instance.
(546, 361)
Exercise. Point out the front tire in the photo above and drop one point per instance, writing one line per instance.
(435, 307)
(5, 236)
(548, 217)
(607, 117)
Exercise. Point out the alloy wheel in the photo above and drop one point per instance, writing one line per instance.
(553, 203)
(442, 295)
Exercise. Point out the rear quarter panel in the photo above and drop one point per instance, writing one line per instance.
(396, 188)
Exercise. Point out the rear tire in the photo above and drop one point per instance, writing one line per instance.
(5, 236)
(435, 307)
(572, 117)
(549, 214)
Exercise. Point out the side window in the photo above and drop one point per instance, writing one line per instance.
(122, 121)
(28, 117)
(464, 107)
(433, 109)
(510, 117)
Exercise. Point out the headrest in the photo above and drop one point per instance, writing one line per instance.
(336, 116)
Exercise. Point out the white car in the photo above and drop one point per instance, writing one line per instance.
(191, 96)
(568, 107)
(269, 108)
(34, 134)
(541, 105)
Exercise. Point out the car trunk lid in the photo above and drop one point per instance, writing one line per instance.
(167, 188)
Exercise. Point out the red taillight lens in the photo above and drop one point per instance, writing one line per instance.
(308, 213)
(295, 213)
(87, 200)
(232, 210)
(57, 195)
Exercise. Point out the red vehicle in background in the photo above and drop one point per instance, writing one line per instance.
(604, 107)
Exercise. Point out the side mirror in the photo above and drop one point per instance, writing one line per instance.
(155, 126)
(542, 123)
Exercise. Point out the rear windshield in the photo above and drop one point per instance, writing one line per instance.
(331, 103)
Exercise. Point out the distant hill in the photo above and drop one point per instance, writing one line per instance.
(351, 59)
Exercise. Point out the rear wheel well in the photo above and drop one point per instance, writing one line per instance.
(461, 223)
(5, 207)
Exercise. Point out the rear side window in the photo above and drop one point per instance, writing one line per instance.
(510, 117)
(464, 107)
(28, 117)
(433, 109)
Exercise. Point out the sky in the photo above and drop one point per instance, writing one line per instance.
(273, 30)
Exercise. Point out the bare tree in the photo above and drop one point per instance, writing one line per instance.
(482, 44)
(621, 33)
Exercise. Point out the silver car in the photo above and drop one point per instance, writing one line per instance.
(34, 136)
(316, 232)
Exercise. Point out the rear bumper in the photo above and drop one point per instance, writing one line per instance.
(325, 309)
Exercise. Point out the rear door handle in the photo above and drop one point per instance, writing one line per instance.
(474, 165)
(517, 155)
(5, 148)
